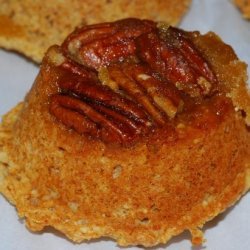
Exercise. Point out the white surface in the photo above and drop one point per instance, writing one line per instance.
(229, 231)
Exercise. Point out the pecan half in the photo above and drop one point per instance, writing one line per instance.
(98, 45)
(85, 119)
(158, 99)
(119, 81)
(174, 56)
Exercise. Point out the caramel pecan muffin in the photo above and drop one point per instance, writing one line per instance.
(133, 130)
(31, 27)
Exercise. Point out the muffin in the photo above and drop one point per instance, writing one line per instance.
(31, 27)
(133, 130)
(244, 7)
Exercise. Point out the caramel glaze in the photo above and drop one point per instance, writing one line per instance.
(161, 86)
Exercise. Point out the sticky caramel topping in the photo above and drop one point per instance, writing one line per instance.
(121, 81)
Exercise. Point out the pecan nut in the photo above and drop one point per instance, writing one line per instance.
(98, 45)
(174, 56)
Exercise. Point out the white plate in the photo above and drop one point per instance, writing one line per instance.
(229, 231)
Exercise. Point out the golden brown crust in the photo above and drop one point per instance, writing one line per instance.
(54, 177)
(30, 27)
(244, 6)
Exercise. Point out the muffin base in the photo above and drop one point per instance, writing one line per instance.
(41, 205)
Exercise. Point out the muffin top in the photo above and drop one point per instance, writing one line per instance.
(123, 81)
